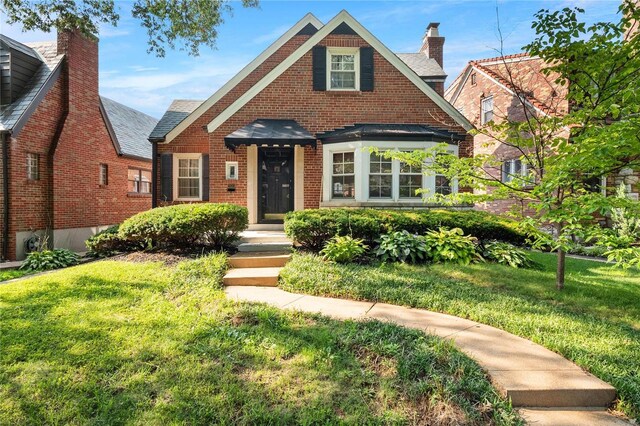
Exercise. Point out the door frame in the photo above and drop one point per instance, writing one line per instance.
(261, 151)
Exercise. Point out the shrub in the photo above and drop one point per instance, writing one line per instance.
(402, 246)
(311, 229)
(451, 245)
(343, 249)
(184, 225)
(106, 243)
(49, 259)
(507, 254)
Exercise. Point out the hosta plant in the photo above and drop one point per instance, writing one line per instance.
(49, 259)
(402, 246)
(507, 254)
(343, 249)
(451, 245)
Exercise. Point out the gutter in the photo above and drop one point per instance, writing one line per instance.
(4, 138)
(154, 174)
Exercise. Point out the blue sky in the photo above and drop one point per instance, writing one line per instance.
(130, 75)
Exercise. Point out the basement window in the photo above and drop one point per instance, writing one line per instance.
(33, 166)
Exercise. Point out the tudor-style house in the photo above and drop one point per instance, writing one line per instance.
(489, 90)
(72, 162)
(292, 129)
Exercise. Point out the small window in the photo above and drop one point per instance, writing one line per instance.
(33, 166)
(189, 178)
(473, 79)
(410, 181)
(139, 181)
(232, 170)
(487, 109)
(380, 176)
(104, 174)
(343, 69)
(514, 168)
(343, 175)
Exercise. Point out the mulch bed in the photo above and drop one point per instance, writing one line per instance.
(169, 259)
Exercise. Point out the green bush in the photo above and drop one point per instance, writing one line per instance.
(106, 243)
(343, 249)
(451, 245)
(507, 254)
(49, 259)
(311, 229)
(184, 225)
(402, 246)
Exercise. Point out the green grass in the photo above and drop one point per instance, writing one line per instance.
(9, 274)
(116, 343)
(594, 322)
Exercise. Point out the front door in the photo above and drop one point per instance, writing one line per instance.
(275, 183)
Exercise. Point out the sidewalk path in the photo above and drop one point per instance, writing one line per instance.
(554, 390)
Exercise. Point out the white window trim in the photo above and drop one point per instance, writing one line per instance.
(482, 110)
(356, 65)
(331, 174)
(362, 168)
(228, 166)
(176, 159)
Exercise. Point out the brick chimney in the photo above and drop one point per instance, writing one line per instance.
(432, 44)
(82, 68)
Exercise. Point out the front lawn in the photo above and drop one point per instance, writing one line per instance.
(115, 342)
(9, 274)
(594, 322)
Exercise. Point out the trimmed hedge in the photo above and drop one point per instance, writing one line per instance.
(184, 225)
(106, 243)
(311, 229)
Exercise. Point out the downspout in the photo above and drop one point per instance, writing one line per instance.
(154, 174)
(5, 194)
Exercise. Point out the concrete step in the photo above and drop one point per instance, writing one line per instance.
(265, 247)
(266, 227)
(259, 259)
(263, 237)
(261, 277)
(578, 416)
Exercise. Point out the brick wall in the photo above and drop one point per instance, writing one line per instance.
(67, 193)
(291, 96)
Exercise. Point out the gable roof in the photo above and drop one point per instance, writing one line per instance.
(128, 128)
(341, 18)
(175, 114)
(519, 74)
(423, 65)
(15, 115)
(306, 26)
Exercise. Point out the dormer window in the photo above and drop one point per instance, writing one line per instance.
(342, 72)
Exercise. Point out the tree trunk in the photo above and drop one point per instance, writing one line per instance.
(560, 270)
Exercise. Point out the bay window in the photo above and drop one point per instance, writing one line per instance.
(380, 176)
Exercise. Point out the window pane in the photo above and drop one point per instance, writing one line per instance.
(348, 157)
(343, 187)
(443, 186)
(380, 186)
(338, 157)
(343, 80)
(132, 186)
(349, 168)
(338, 169)
(189, 188)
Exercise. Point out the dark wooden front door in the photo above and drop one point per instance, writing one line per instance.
(275, 183)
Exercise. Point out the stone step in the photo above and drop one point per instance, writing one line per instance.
(259, 259)
(265, 247)
(261, 277)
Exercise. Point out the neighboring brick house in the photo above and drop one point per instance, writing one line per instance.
(291, 130)
(72, 162)
(494, 89)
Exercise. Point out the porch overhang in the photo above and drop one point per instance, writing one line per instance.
(270, 132)
(389, 132)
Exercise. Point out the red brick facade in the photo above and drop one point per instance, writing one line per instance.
(395, 99)
(68, 133)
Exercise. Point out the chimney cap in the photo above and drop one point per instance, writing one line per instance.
(433, 25)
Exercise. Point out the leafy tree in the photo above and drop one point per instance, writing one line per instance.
(192, 23)
(595, 134)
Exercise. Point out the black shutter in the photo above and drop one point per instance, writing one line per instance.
(166, 177)
(205, 177)
(366, 69)
(319, 68)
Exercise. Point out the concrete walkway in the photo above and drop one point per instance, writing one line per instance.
(529, 374)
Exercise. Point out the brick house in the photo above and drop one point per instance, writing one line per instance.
(291, 130)
(73, 162)
(490, 89)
